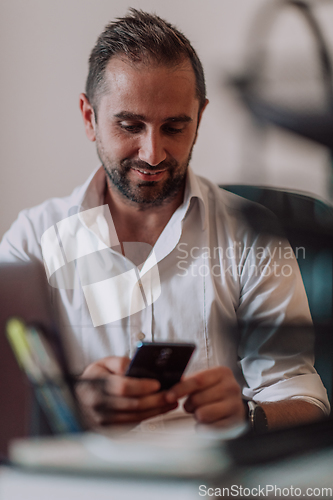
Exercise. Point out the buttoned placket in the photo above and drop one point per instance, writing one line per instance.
(140, 325)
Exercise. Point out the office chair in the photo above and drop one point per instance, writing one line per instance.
(308, 225)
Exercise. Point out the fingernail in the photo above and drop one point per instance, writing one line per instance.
(171, 397)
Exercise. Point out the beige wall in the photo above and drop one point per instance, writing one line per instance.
(44, 50)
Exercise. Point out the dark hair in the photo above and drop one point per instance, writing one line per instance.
(140, 36)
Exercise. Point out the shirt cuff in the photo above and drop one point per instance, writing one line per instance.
(308, 387)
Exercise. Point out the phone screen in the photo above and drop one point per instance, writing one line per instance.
(165, 362)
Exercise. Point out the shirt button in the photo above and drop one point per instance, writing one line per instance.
(141, 336)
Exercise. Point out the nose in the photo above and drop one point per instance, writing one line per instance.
(152, 148)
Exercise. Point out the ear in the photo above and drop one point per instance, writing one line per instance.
(88, 116)
(199, 119)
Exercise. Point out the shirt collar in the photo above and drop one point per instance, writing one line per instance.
(193, 190)
(94, 191)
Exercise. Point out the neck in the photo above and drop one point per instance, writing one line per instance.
(134, 222)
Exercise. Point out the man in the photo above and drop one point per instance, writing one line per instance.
(145, 96)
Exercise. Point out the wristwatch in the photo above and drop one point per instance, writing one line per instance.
(256, 416)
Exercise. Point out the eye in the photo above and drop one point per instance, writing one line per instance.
(132, 128)
(169, 129)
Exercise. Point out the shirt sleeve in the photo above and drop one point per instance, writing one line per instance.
(20, 242)
(277, 341)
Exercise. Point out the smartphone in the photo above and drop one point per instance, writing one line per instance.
(163, 361)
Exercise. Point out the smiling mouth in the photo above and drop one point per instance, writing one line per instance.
(148, 172)
(148, 175)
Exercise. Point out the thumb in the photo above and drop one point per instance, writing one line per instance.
(114, 364)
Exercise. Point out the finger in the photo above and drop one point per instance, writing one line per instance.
(120, 393)
(139, 416)
(99, 390)
(227, 388)
(103, 367)
(197, 382)
(229, 409)
(118, 403)
(115, 364)
(90, 392)
(109, 417)
(118, 385)
(225, 423)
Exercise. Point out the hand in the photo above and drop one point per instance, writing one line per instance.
(214, 397)
(108, 397)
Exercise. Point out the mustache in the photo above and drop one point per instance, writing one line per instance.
(128, 163)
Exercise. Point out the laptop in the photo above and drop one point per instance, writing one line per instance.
(25, 295)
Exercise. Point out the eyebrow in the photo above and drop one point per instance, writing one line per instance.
(126, 115)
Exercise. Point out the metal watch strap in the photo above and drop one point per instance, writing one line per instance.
(256, 417)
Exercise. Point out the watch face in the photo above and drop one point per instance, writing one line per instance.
(259, 420)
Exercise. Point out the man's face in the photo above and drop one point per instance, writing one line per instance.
(146, 127)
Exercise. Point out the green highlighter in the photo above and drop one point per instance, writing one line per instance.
(35, 356)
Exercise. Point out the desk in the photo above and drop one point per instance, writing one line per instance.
(20, 485)
(308, 474)
(292, 475)
(93, 466)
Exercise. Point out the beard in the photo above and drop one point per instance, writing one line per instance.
(145, 193)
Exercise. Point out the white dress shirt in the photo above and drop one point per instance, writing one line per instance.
(214, 272)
